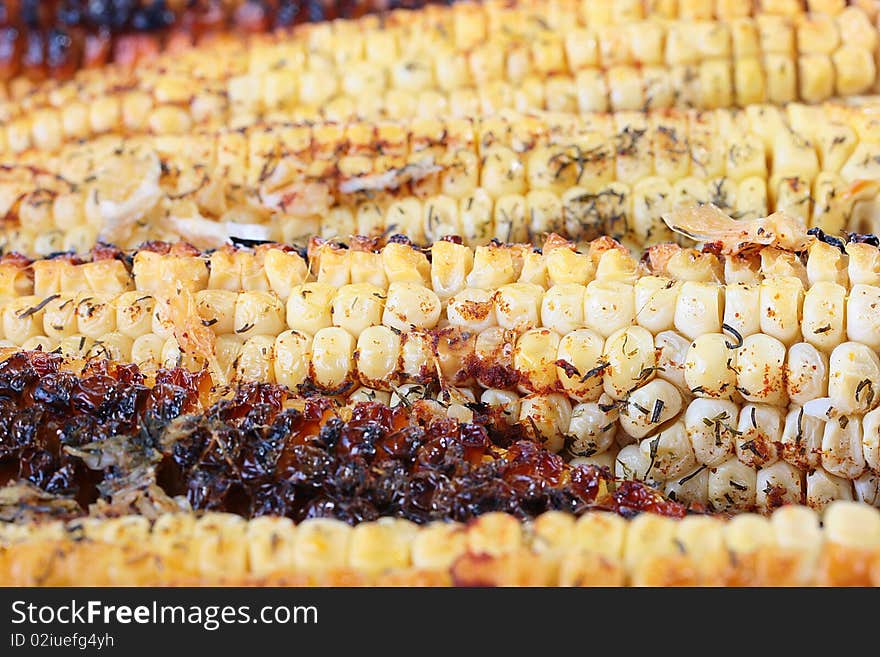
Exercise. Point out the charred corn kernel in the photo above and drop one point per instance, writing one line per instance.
(534, 359)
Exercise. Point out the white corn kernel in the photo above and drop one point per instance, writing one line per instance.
(472, 309)
(842, 451)
(292, 357)
(580, 365)
(411, 306)
(648, 407)
(332, 351)
(853, 376)
(732, 486)
(802, 439)
(377, 355)
(710, 367)
(629, 359)
(609, 306)
(308, 307)
(711, 427)
(699, 309)
(806, 373)
(669, 453)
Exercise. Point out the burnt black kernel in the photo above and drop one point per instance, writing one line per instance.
(249, 455)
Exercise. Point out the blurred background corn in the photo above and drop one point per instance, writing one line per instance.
(467, 59)
(512, 177)
(790, 547)
(54, 38)
(735, 383)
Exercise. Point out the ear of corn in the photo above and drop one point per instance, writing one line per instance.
(462, 60)
(598, 549)
(54, 39)
(513, 177)
(736, 382)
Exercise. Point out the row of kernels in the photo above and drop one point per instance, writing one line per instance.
(732, 486)
(555, 548)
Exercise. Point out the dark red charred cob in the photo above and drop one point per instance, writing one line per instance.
(103, 433)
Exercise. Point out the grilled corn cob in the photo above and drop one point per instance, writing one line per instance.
(734, 382)
(512, 177)
(463, 60)
(40, 38)
(100, 435)
(789, 548)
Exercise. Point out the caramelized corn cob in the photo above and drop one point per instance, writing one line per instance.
(463, 60)
(511, 177)
(598, 549)
(735, 382)
(100, 436)
(40, 38)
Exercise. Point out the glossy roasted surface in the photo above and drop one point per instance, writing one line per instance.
(103, 435)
